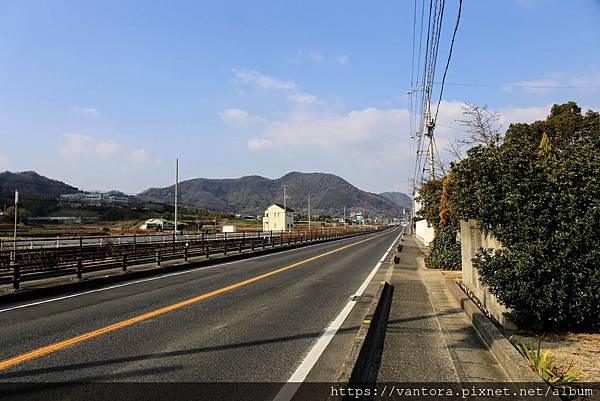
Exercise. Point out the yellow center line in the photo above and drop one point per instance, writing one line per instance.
(36, 353)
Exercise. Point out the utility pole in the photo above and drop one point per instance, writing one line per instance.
(430, 126)
(16, 219)
(309, 211)
(344, 215)
(176, 190)
(284, 197)
(285, 223)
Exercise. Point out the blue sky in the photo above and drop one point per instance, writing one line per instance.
(105, 95)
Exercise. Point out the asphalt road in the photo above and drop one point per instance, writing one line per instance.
(253, 320)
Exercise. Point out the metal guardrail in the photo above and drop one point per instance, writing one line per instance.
(25, 264)
(59, 242)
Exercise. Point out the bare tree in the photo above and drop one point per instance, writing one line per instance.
(482, 124)
(456, 149)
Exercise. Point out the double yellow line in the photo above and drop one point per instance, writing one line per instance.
(36, 353)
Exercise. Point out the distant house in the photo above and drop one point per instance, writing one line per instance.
(277, 218)
(161, 225)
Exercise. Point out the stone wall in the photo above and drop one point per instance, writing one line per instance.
(472, 239)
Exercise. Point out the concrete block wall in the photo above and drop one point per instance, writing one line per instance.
(472, 239)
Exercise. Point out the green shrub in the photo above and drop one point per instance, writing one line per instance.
(539, 194)
(445, 250)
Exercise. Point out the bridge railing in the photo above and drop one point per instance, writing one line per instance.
(36, 263)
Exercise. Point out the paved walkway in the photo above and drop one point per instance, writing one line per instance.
(429, 338)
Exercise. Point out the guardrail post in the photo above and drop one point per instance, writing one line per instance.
(79, 268)
(252, 244)
(16, 276)
(134, 246)
(124, 262)
(206, 249)
(225, 246)
(185, 252)
(157, 258)
(241, 245)
(80, 246)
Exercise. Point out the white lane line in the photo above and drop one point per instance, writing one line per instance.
(289, 389)
(112, 287)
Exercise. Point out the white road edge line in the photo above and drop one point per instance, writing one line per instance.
(295, 381)
(112, 287)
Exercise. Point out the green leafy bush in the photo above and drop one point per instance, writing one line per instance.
(445, 250)
(539, 194)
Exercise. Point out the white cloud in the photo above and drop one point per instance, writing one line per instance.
(374, 137)
(78, 144)
(303, 98)
(143, 156)
(587, 81)
(84, 145)
(510, 115)
(310, 55)
(316, 57)
(139, 155)
(303, 130)
(235, 116)
(86, 111)
(3, 162)
(264, 82)
(535, 85)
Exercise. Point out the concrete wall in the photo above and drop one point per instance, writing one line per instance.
(424, 231)
(472, 239)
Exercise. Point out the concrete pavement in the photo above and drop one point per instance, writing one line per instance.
(429, 338)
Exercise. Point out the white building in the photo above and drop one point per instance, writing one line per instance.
(230, 228)
(278, 219)
(96, 199)
(423, 230)
(161, 225)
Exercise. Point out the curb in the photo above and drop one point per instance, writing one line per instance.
(359, 340)
(509, 358)
(98, 282)
(369, 358)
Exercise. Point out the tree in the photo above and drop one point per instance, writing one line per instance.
(538, 192)
(482, 125)
(24, 214)
(429, 197)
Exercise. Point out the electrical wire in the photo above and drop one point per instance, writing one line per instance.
(449, 58)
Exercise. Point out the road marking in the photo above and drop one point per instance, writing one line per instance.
(293, 384)
(112, 287)
(36, 353)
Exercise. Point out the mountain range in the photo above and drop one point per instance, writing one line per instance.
(32, 183)
(329, 193)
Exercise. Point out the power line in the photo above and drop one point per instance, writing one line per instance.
(517, 85)
(449, 58)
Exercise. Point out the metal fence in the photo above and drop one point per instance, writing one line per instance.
(76, 256)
